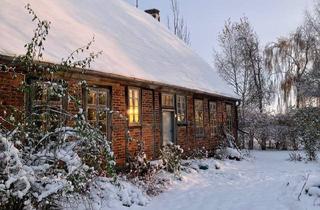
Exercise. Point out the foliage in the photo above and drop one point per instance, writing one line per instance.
(171, 157)
(198, 153)
(139, 166)
(144, 173)
(307, 123)
(295, 156)
(49, 154)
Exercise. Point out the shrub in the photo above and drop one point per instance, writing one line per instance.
(198, 153)
(49, 153)
(307, 123)
(171, 156)
(144, 173)
(295, 156)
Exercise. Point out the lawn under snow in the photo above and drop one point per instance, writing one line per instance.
(266, 181)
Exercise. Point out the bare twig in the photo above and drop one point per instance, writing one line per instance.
(304, 185)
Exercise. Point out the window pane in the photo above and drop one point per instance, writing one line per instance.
(134, 106)
(92, 97)
(229, 117)
(102, 126)
(213, 117)
(102, 115)
(167, 100)
(181, 108)
(199, 113)
(102, 98)
(92, 114)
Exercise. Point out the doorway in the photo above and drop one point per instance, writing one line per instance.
(167, 127)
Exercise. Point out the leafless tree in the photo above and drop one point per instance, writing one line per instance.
(228, 61)
(240, 63)
(290, 58)
(177, 23)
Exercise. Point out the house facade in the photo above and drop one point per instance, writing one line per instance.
(158, 111)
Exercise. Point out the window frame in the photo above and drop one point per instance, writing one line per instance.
(133, 124)
(182, 108)
(166, 106)
(32, 103)
(98, 107)
(213, 120)
(201, 126)
(229, 118)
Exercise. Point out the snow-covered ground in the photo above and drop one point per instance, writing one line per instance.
(266, 181)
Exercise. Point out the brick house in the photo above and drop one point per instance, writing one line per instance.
(167, 92)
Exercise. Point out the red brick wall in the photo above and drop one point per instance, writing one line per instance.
(157, 125)
(150, 129)
(147, 122)
(119, 125)
(10, 95)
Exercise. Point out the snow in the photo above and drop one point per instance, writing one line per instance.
(265, 181)
(134, 44)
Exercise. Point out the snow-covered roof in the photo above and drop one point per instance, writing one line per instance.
(134, 44)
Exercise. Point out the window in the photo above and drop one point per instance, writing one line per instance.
(229, 120)
(97, 103)
(47, 100)
(134, 106)
(198, 109)
(213, 117)
(167, 100)
(47, 94)
(181, 109)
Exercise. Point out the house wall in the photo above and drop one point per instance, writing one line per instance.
(150, 129)
(10, 96)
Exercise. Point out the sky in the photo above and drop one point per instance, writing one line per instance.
(205, 18)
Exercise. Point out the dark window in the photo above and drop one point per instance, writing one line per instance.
(198, 109)
(46, 102)
(229, 121)
(213, 117)
(134, 101)
(181, 109)
(167, 100)
(97, 104)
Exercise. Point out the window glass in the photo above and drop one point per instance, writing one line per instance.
(213, 117)
(199, 117)
(167, 100)
(229, 120)
(97, 103)
(181, 109)
(102, 98)
(46, 101)
(134, 105)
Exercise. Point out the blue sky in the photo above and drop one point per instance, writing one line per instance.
(205, 18)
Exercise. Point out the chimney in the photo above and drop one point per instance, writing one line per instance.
(154, 13)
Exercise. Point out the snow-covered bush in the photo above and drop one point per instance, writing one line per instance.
(138, 165)
(171, 156)
(46, 166)
(307, 124)
(228, 153)
(198, 153)
(146, 174)
(295, 156)
(49, 153)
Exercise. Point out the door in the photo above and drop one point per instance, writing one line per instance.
(167, 127)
